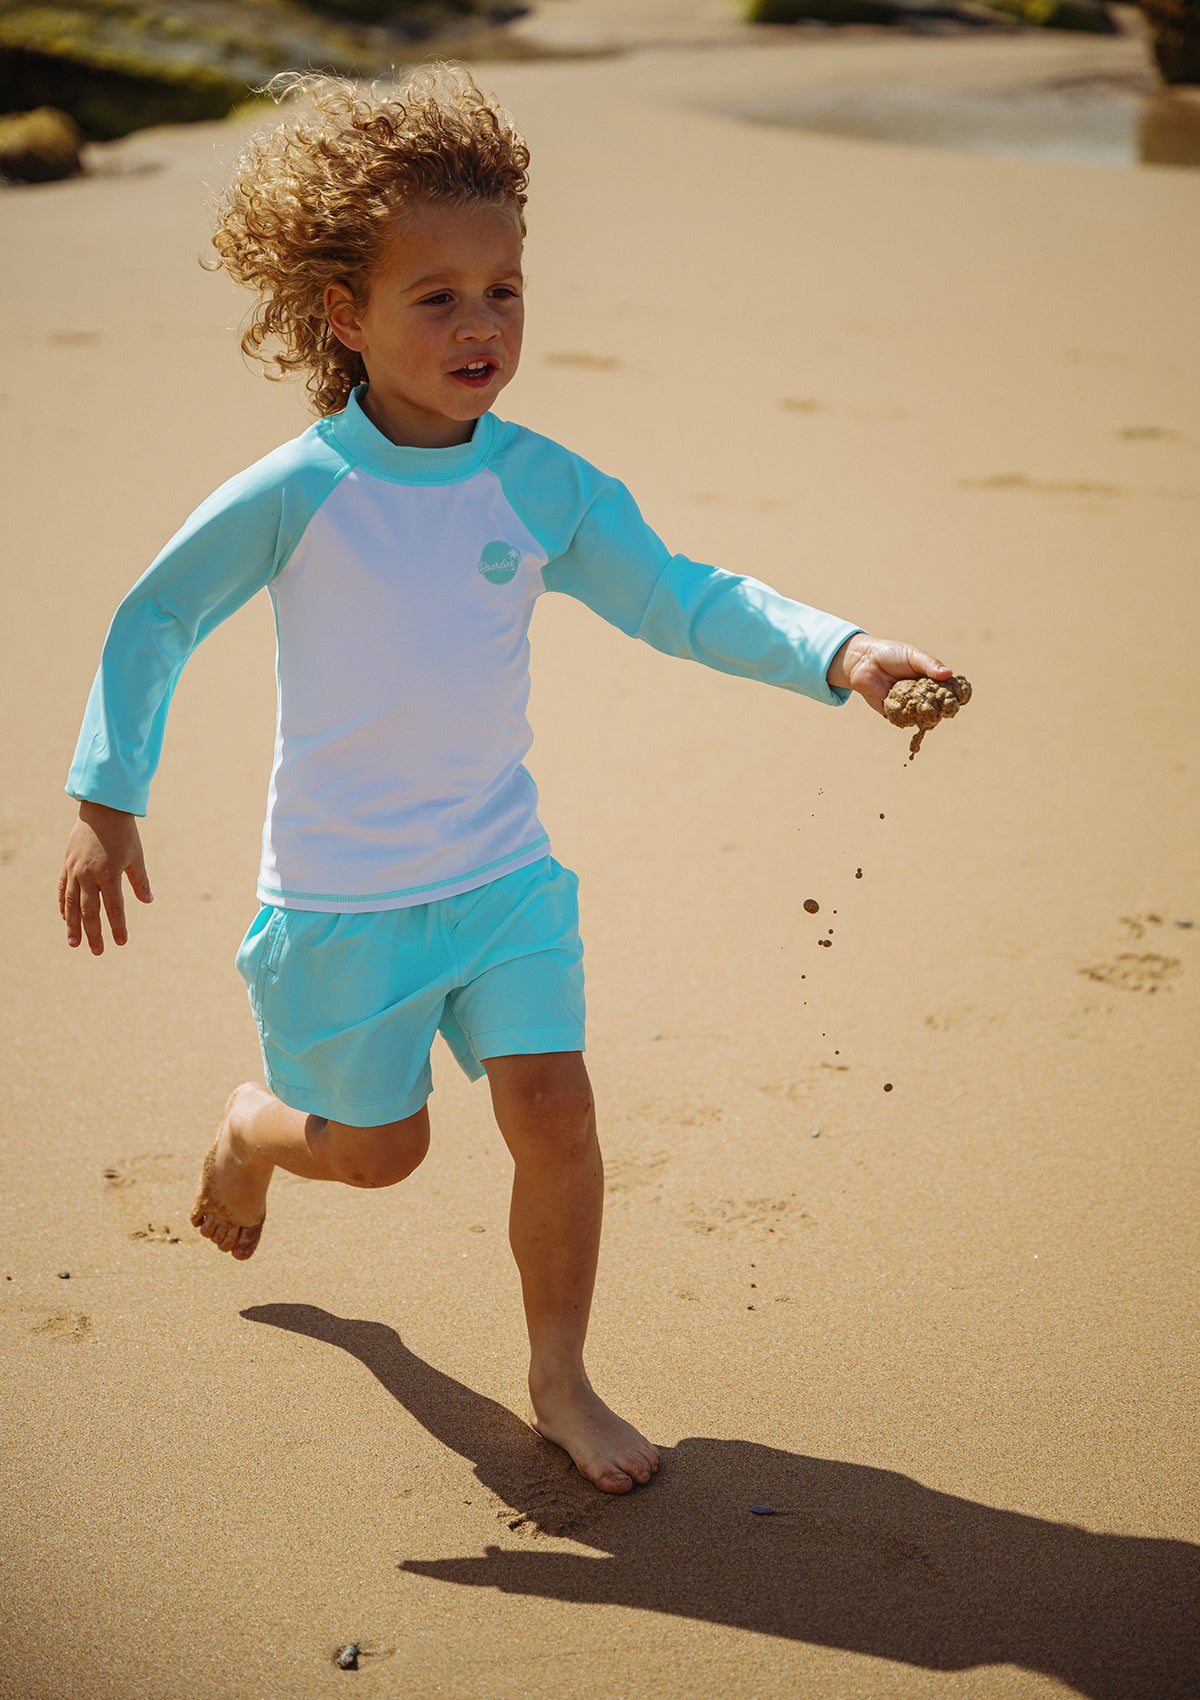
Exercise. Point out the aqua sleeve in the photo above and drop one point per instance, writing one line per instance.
(231, 547)
(602, 552)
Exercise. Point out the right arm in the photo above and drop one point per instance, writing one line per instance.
(231, 547)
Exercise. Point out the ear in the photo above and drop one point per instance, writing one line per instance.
(341, 310)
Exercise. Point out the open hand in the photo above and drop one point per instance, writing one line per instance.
(104, 846)
(871, 666)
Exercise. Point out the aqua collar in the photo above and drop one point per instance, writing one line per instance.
(365, 445)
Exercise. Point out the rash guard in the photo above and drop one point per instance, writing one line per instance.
(403, 581)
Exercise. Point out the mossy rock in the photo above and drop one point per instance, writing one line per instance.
(107, 101)
(825, 12)
(1091, 16)
(39, 147)
(1175, 38)
(120, 65)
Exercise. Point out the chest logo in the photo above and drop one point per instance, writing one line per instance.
(499, 562)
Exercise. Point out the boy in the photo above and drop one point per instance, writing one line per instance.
(406, 882)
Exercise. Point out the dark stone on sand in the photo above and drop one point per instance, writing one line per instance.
(40, 146)
(887, 1086)
(1175, 38)
(894, 12)
(764, 1510)
(347, 1659)
(811, 905)
(64, 1274)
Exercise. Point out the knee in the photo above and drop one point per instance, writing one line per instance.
(382, 1156)
(549, 1104)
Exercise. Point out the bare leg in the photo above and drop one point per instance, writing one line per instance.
(258, 1134)
(543, 1107)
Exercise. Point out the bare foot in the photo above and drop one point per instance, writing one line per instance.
(606, 1449)
(231, 1201)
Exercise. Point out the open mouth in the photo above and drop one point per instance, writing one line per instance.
(477, 372)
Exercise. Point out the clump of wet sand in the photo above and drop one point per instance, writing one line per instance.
(923, 702)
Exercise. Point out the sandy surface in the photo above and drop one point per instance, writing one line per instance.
(952, 1339)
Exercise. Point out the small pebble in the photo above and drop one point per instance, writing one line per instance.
(64, 1274)
(811, 906)
(763, 1510)
(1185, 923)
(887, 1085)
(347, 1659)
(655, 1036)
(815, 1134)
(858, 873)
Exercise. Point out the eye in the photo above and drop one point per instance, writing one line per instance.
(439, 299)
(505, 292)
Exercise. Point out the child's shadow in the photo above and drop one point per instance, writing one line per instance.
(856, 1557)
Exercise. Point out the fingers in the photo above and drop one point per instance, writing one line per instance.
(68, 907)
(114, 908)
(89, 914)
(139, 879)
(926, 666)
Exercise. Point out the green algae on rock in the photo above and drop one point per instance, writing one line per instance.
(120, 65)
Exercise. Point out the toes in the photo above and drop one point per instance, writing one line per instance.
(613, 1481)
(247, 1241)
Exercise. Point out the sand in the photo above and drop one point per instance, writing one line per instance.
(945, 1332)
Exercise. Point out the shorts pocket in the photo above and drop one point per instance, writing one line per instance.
(258, 953)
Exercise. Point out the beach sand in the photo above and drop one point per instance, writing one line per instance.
(946, 1331)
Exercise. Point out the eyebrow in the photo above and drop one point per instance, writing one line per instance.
(447, 277)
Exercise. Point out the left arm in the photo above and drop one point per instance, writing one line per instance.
(618, 567)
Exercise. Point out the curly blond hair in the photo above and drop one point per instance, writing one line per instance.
(315, 201)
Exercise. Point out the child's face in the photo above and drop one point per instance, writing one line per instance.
(440, 330)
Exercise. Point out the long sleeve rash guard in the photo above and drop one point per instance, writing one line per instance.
(403, 581)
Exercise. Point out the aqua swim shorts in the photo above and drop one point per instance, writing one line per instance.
(347, 1006)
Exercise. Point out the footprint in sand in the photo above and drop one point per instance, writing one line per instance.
(1133, 972)
(1041, 486)
(757, 1216)
(560, 1505)
(12, 841)
(582, 361)
(64, 1325)
(626, 1174)
(151, 1195)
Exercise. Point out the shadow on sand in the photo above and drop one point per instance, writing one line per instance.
(857, 1558)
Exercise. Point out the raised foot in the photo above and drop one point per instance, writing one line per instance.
(231, 1200)
(605, 1448)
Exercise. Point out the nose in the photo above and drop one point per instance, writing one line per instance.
(479, 323)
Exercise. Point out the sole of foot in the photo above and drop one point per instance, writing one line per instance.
(226, 1195)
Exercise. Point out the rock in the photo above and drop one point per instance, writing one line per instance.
(1091, 16)
(811, 906)
(347, 1659)
(1175, 38)
(118, 65)
(39, 146)
(912, 13)
(764, 1510)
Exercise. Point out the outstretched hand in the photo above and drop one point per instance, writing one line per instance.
(104, 846)
(871, 666)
